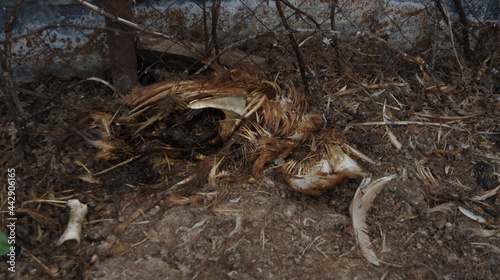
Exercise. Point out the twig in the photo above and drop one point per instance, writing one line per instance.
(7, 78)
(119, 19)
(205, 28)
(448, 19)
(20, 121)
(454, 118)
(335, 43)
(436, 42)
(143, 208)
(464, 38)
(295, 46)
(365, 88)
(306, 30)
(263, 35)
(299, 11)
(61, 202)
(464, 28)
(310, 244)
(408, 123)
(45, 267)
(116, 166)
(213, 37)
(440, 7)
(105, 83)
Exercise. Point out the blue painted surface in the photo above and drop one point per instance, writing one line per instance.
(67, 51)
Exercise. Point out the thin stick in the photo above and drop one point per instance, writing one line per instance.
(453, 42)
(46, 268)
(144, 207)
(408, 123)
(205, 28)
(450, 118)
(213, 37)
(464, 28)
(106, 84)
(335, 43)
(54, 202)
(299, 11)
(115, 166)
(368, 87)
(267, 34)
(119, 19)
(295, 46)
(7, 78)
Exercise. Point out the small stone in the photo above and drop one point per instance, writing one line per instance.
(54, 271)
(290, 210)
(441, 223)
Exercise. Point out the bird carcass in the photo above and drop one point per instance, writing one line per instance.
(232, 122)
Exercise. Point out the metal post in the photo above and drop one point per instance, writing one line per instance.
(121, 45)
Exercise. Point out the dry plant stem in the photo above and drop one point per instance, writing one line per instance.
(449, 117)
(115, 166)
(295, 46)
(479, 40)
(436, 42)
(145, 206)
(14, 103)
(205, 28)
(440, 7)
(136, 26)
(46, 268)
(5, 94)
(7, 78)
(408, 123)
(299, 11)
(106, 84)
(213, 38)
(335, 44)
(364, 88)
(263, 35)
(453, 42)
(464, 28)
(33, 93)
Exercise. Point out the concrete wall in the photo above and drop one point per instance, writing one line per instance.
(68, 51)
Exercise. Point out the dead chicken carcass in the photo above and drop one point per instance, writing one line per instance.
(235, 120)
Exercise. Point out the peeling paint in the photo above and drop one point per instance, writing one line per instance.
(67, 51)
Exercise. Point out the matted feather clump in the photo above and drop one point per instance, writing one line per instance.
(201, 130)
(240, 121)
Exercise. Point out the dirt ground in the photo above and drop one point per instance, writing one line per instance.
(259, 228)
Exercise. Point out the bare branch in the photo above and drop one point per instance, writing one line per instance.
(295, 46)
